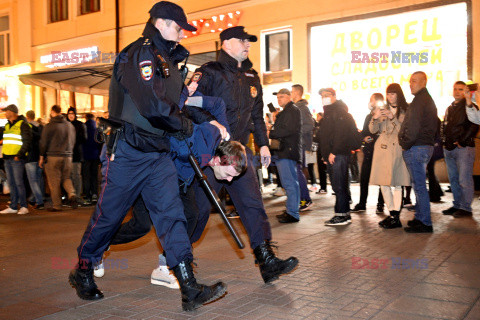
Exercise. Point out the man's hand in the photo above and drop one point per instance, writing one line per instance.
(265, 156)
(368, 139)
(222, 129)
(376, 113)
(40, 162)
(468, 96)
(331, 158)
(16, 158)
(192, 87)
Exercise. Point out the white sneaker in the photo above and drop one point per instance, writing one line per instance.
(99, 270)
(314, 188)
(22, 210)
(8, 210)
(279, 192)
(161, 276)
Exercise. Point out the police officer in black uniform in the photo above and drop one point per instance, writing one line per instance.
(144, 92)
(233, 79)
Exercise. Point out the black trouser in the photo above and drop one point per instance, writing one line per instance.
(364, 183)
(140, 223)
(322, 171)
(90, 178)
(434, 189)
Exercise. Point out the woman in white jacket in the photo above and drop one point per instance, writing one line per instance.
(388, 167)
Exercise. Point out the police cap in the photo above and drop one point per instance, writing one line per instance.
(171, 11)
(237, 32)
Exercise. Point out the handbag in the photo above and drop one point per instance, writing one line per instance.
(274, 144)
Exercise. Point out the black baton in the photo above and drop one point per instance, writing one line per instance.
(212, 195)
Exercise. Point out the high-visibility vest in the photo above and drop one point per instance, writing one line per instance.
(12, 138)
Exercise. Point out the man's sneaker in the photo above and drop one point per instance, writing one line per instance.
(279, 192)
(73, 202)
(338, 221)
(314, 188)
(39, 206)
(450, 211)
(462, 213)
(322, 191)
(414, 222)
(99, 270)
(379, 210)
(161, 276)
(22, 210)
(358, 208)
(304, 205)
(233, 214)
(8, 210)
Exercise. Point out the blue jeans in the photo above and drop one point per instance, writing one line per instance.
(339, 179)
(460, 173)
(35, 178)
(302, 181)
(416, 159)
(287, 170)
(15, 171)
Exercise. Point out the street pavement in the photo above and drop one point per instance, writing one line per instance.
(357, 271)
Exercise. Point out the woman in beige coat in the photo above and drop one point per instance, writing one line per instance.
(388, 167)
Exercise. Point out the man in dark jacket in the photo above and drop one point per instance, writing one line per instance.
(17, 139)
(307, 139)
(56, 150)
(34, 172)
(91, 156)
(458, 136)
(417, 137)
(288, 129)
(233, 79)
(77, 158)
(336, 150)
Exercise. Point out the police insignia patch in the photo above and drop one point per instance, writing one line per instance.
(146, 70)
(253, 91)
(196, 76)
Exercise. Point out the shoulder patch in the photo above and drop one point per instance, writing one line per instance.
(196, 76)
(146, 69)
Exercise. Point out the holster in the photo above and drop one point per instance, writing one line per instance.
(109, 131)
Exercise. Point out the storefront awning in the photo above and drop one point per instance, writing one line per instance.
(89, 79)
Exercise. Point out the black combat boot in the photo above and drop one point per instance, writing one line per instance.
(194, 295)
(81, 279)
(270, 266)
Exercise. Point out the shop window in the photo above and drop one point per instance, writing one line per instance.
(4, 41)
(58, 10)
(89, 6)
(277, 51)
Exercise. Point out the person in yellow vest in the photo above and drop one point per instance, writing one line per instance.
(17, 139)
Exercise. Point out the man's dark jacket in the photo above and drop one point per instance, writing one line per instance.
(288, 129)
(333, 137)
(457, 128)
(241, 91)
(80, 138)
(420, 123)
(308, 124)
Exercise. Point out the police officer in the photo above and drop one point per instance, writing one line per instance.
(144, 92)
(233, 79)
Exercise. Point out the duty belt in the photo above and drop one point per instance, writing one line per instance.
(108, 132)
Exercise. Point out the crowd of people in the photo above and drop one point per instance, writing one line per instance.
(400, 142)
(63, 150)
(157, 125)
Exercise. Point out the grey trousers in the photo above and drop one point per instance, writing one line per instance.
(58, 171)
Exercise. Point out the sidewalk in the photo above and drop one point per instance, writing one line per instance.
(431, 276)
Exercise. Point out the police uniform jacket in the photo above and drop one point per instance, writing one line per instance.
(241, 91)
(288, 129)
(146, 76)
